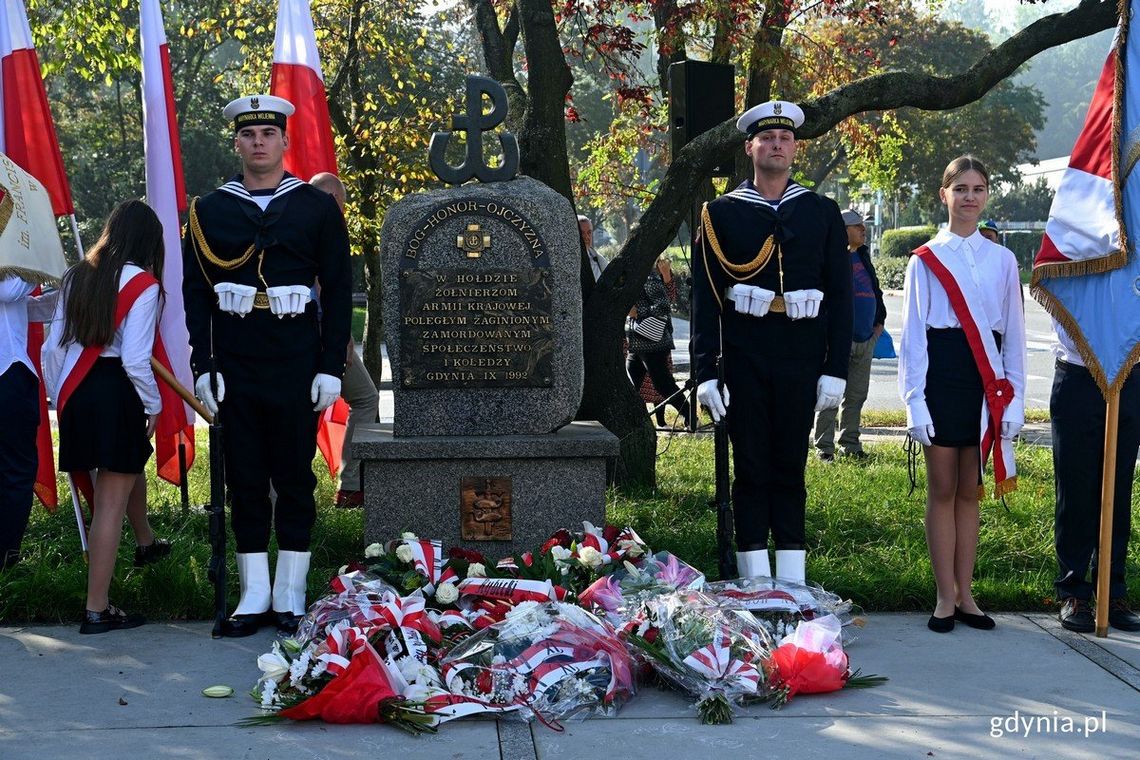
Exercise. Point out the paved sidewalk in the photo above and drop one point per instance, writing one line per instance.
(967, 694)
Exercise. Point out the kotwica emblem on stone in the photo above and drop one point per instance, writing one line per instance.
(474, 124)
(473, 241)
(485, 509)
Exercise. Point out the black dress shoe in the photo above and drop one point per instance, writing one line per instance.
(240, 626)
(982, 622)
(1121, 618)
(110, 619)
(153, 552)
(1076, 615)
(286, 622)
(941, 625)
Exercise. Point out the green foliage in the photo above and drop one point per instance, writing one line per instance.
(900, 242)
(1024, 245)
(1021, 203)
(891, 271)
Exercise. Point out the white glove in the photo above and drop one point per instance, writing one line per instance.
(803, 304)
(752, 300)
(324, 392)
(924, 434)
(205, 393)
(1009, 430)
(710, 398)
(288, 300)
(829, 392)
(235, 299)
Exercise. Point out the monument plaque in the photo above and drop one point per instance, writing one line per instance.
(485, 509)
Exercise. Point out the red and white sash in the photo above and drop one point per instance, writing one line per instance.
(999, 392)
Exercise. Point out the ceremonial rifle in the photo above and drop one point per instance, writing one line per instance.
(726, 556)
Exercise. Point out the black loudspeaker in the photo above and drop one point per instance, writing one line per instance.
(701, 96)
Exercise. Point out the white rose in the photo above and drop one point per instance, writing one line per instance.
(446, 593)
(404, 553)
(273, 667)
(373, 550)
(561, 553)
(476, 570)
(409, 536)
(590, 557)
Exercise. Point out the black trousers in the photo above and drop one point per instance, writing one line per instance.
(18, 456)
(770, 414)
(1077, 410)
(271, 435)
(657, 366)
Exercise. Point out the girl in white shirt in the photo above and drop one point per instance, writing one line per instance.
(98, 371)
(947, 373)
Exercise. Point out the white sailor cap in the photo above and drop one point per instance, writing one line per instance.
(775, 114)
(252, 110)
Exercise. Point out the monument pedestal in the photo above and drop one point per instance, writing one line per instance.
(500, 494)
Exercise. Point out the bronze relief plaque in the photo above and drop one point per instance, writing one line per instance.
(485, 509)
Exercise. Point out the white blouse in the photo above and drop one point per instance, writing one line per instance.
(133, 343)
(993, 269)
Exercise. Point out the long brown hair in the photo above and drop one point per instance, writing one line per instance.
(91, 287)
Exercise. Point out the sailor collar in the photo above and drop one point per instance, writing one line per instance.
(235, 188)
(746, 191)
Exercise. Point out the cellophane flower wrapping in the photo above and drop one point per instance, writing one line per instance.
(711, 652)
(810, 661)
(618, 595)
(553, 660)
(351, 594)
(781, 605)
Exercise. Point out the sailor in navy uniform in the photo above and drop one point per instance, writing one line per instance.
(771, 300)
(252, 251)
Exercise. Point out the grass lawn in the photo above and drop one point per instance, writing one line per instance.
(865, 537)
(358, 315)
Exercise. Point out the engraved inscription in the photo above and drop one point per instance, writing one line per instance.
(485, 509)
(476, 328)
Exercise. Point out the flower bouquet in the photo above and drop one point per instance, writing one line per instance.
(812, 661)
(619, 594)
(550, 659)
(781, 605)
(297, 683)
(704, 649)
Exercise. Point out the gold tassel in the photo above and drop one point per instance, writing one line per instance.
(1009, 485)
(28, 275)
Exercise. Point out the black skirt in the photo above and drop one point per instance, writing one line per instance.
(103, 426)
(953, 388)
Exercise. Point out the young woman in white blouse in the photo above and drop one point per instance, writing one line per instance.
(97, 366)
(962, 377)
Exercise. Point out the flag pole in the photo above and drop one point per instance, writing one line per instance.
(75, 232)
(1107, 493)
(78, 516)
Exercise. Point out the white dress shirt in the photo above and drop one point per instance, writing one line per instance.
(1064, 348)
(17, 308)
(598, 262)
(133, 343)
(993, 269)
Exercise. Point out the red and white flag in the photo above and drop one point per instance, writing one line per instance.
(297, 77)
(166, 194)
(27, 132)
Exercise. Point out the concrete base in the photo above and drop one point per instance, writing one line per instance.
(413, 484)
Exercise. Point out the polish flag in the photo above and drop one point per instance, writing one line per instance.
(27, 132)
(166, 194)
(297, 77)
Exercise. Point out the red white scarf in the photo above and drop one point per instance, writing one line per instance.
(999, 392)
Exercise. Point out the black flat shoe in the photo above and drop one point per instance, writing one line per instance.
(156, 551)
(1121, 618)
(286, 622)
(1076, 615)
(982, 622)
(240, 626)
(941, 625)
(110, 619)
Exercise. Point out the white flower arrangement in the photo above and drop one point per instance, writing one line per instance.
(447, 593)
(590, 557)
(374, 550)
(476, 570)
(404, 553)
